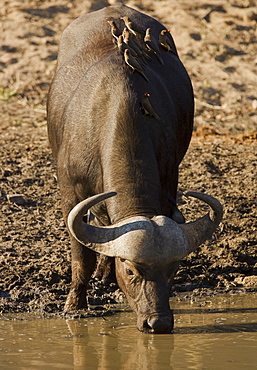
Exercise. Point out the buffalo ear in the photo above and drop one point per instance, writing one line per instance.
(176, 214)
(92, 219)
(198, 231)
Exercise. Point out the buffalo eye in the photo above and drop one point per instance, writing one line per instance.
(129, 272)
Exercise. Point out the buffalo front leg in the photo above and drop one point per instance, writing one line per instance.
(83, 265)
(83, 259)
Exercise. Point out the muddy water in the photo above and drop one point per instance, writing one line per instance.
(211, 333)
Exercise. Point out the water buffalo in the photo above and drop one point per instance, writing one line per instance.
(120, 121)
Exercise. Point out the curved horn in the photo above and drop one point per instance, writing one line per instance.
(176, 240)
(112, 240)
(197, 232)
(109, 240)
(80, 230)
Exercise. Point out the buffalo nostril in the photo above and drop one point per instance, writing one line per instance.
(159, 325)
(145, 327)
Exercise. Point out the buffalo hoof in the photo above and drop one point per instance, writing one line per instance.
(76, 299)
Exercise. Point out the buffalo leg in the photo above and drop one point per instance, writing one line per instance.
(83, 266)
(105, 270)
(83, 259)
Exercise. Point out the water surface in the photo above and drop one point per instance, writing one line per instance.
(210, 333)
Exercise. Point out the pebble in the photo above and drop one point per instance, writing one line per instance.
(17, 199)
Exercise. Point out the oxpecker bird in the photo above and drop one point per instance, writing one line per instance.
(122, 46)
(132, 27)
(114, 30)
(165, 41)
(130, 40)
(152, 45)
(148, 108)
(133, 63)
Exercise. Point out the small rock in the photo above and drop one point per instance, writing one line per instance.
(250, 281)
(252, 16)
(254, 104)
(17, 199)
(247, 281)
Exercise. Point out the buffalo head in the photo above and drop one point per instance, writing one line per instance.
(147, 252)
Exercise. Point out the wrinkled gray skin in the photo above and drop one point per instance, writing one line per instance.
(103, 142)
(147, 292)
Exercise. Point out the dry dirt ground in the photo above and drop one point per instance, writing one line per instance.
(217, 42)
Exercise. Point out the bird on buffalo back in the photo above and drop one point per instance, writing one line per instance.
(148, 108)
(165, 42)
(122, 46)
(134, 64)
(131, 41)
(132, 27)
(114, 29)
(152, 45)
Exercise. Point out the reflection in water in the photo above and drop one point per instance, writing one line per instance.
(214, 334)
(91, 346)
(115, 346)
